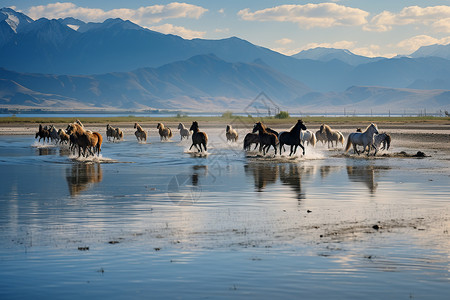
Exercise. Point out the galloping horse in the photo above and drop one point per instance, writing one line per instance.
(140, 133)
(365, 139)
(43, 133)
(381, 139)
(164, 133)
(231, 134)
(184, 132)
(198, 137)
(266, 139)
(63, 136)
(332, 135)
(85, 140)
(251, 138)
(292, 137)
(307, 136)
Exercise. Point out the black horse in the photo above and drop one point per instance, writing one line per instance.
(198, 138)
(292, 137)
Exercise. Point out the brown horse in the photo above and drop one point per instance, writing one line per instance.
(63, 136)
(43, 133)
(140, 133)
(266, 139)
(85, 140)
(164, 132)
(198, 138)
(332, 135)
(292, 137)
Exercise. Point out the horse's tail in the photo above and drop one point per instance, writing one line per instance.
(349, 144)
(388, 141)
(313, 139)
(341, 138)
(170, 132)
(99, 142)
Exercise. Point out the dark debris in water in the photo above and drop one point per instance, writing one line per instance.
(419, 154)
(83, 248)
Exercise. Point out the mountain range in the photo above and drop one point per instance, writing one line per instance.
(137, 68)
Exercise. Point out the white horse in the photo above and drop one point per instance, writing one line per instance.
(308, 137)
(365, 139)
(184, 132)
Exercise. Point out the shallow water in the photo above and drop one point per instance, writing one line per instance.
(157, 220)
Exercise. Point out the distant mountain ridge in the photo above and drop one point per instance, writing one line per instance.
(327, 54)
(137, 67)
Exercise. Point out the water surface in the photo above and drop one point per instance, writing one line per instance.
(154, 220)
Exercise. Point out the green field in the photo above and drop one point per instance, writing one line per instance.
(225, 120)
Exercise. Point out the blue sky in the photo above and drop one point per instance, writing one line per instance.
(365, 27)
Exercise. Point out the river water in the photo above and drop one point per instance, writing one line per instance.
(156, 220)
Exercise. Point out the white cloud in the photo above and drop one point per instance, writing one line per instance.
(178, 30)
(438, 17)
(412, 44)
(143, 16)
(284, 41)
(221, 11)
(309, 15)
(222, 30)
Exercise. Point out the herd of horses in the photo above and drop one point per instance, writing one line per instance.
(88, 142)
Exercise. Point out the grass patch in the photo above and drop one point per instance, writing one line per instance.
(218, 119)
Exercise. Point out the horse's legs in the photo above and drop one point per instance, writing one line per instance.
(204, 146)
(292, 150)
(355, 149)
(281, 147)
(303, 148)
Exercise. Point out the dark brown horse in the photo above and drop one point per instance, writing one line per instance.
(266, 139)
(43, 133)
(292, 137)
(251, 138)
(198, 138)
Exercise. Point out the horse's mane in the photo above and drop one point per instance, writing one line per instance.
(367, 128)
(138, 127)
(326, 127)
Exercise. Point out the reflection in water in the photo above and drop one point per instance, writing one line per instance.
(263, 174)
(364, 174)
(292, 175)
(47, 151)
(81, 177)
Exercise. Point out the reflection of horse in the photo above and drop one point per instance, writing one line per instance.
(184, 132)
(164, 132)
(364, 139)
(332, 135)
(140, 133)
(251, 138)
(231, 134)
(308, 137)
(291, 175)
(263, 174)
(198, 137)
(81, 176)
(364, 174)
(266, 139)
(292, 137)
